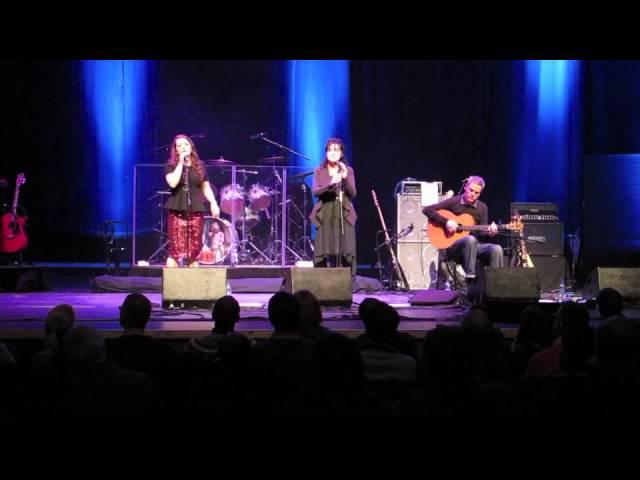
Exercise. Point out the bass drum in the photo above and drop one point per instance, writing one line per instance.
(219, 241)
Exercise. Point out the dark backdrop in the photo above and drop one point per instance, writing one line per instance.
(432, 120)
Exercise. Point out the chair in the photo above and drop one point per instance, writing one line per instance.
(450, 273)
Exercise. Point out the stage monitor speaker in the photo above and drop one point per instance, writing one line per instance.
(624, 280)
(550, 234)
(419, 262)
(409, 210)
(512, 284)
(193, 287)
(331, 286)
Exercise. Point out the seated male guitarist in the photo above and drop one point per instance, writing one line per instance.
(468, 248)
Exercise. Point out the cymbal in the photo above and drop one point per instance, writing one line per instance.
(277, 159)
(220, 161)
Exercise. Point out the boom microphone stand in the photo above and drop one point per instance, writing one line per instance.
(283, 241)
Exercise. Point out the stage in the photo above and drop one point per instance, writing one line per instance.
(22, 314)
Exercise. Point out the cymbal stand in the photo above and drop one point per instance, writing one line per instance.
(265, 138)
(162, 243)
(298, 253)
(306, 238)
(272, 247)
(243, 253)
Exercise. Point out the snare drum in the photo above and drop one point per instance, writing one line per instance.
(259, 197)
(232, 197)
(219, 240)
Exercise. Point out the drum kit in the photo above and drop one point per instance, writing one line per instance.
(249, 205)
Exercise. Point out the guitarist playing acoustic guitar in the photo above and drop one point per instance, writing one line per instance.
(450, 222)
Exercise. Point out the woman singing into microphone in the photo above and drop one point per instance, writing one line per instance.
(333, 214)
(187, 176)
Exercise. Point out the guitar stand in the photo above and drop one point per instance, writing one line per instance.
(394, 280)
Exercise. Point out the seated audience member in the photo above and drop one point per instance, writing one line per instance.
(134, 350)
(310, 316)
(225, 314)
(381, 358)
(571, 351)
(609, 303)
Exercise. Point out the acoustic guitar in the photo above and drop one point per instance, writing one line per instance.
(13, 238)
(440, 238)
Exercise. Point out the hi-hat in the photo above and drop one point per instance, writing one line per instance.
(271, 159)
(220, 161)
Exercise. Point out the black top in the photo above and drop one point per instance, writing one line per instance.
(178, 198)
(455, 205)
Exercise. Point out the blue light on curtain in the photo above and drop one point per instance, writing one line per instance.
(548, 140)
(114, 91)
(318, 108)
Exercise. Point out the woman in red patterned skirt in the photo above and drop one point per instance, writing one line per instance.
(190, 189)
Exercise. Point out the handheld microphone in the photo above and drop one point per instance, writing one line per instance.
(258, 135)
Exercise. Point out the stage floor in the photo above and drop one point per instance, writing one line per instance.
(22, 314)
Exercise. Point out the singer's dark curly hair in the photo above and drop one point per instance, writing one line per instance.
(195, 158)
(334, 141)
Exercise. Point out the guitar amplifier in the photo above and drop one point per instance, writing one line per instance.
(549, 236)
(536, 212)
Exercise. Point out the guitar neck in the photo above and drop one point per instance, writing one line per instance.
(14, 207)
(479, 228)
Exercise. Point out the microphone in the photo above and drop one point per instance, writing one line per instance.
(258, 135)
(252, 172)
(464, 180)
(406, 231)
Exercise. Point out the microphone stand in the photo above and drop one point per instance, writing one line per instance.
(341, 231)
(283, 147)
(188, 185)
(401, 234)
(284, 219)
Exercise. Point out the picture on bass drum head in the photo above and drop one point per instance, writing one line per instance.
(219, 240)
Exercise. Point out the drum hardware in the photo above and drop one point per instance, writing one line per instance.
(234, 199)
(162, 237)
(302, 247)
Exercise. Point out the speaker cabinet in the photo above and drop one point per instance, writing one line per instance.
(512, 284)
(193, 287)
(420, 264)
(551, 236)
(624, 280)
(551, 270)
(331, 286)
(409, 210)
